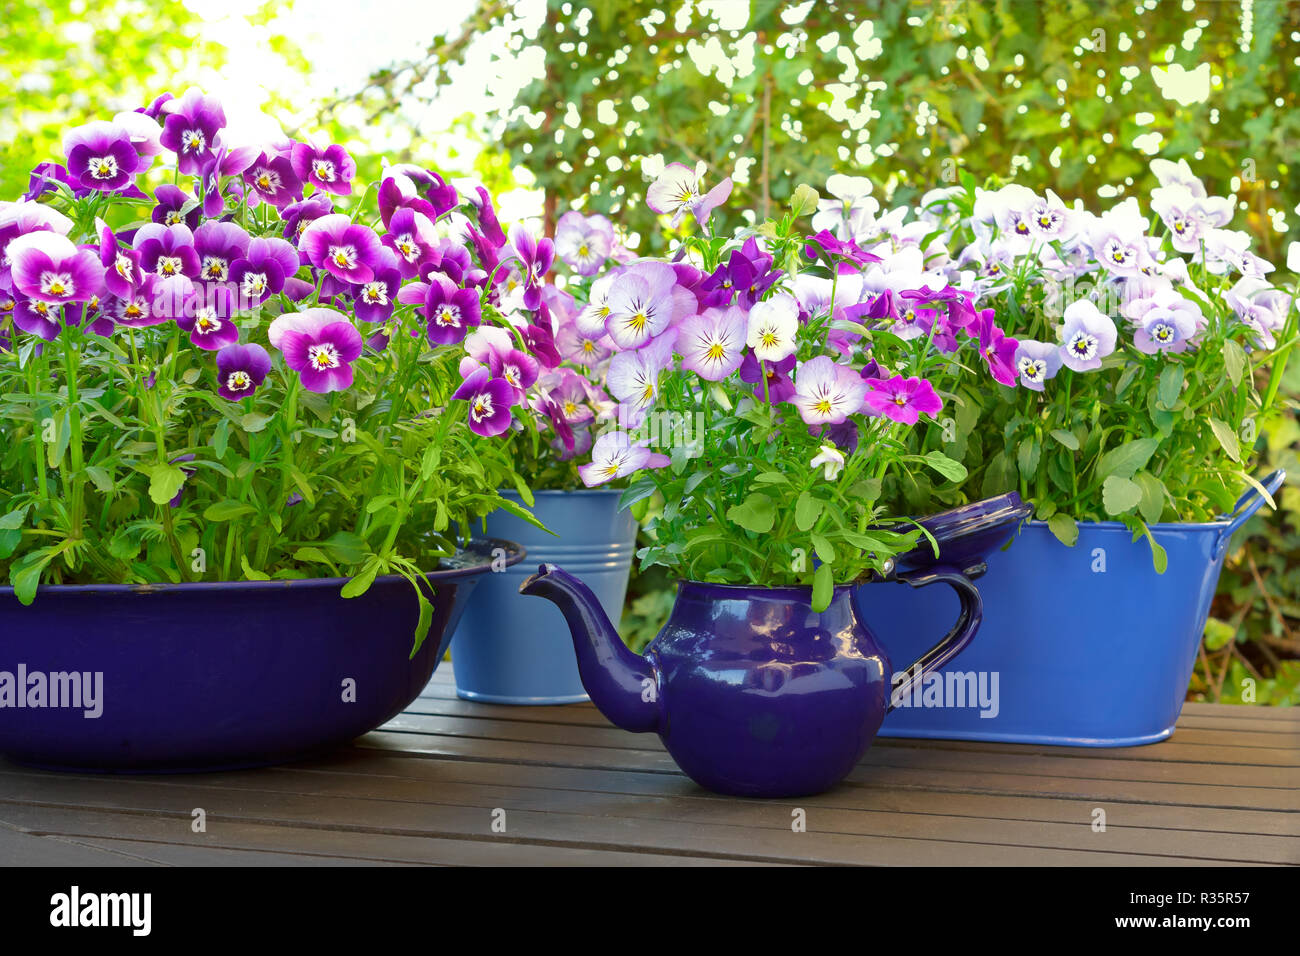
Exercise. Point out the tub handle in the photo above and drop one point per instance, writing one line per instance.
(956, 640)
(1246, 506)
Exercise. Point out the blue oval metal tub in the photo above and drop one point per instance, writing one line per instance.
(512, 650)
(1085, 646)
(216, 675)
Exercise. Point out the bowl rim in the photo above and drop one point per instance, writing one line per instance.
(514, 554)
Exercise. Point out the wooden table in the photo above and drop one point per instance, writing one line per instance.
(564, 787)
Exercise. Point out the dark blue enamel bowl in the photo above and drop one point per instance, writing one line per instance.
(218, 675)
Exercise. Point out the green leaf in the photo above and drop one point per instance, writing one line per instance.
(227, 510)
(1120, 495)
(804, 200)
(1027, 458)
(249, 573)
(823, 588)
(254, 421)
(1227, 438)
(164, 481)
(313, 555)
(221, 438)
(1171, 385)
(1234, 360)
(1064, 527)
(825, 550)
(807, 509)
(100, 478)
(1067, 439)
(13, 519)
(638, 490)
(757, 513)
(345, 547)
(952, 470)
(425, 619)
(1218, 634)
(1152, 505)
(1125, 460)
(772, 478)
(25, 575)
(360, 584)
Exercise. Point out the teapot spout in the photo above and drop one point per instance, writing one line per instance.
(623, 686)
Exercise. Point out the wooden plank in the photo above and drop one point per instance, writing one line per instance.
(1076, 834)
(437, 771)
(1241, 711)
(18, 848)
(1151, 783)
(300, 845)
(477, 726)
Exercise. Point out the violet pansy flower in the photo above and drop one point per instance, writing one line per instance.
(584, 242)
(171, 209)
(535, 257)
(330, 169)
(48, 267)
(615, 456)
(412, 239)
(190, 130)
(167, 251)
(272, 179)
(780, 387)
(101, 156)
(320, 345)
(713, 344)
(209, 317)
(450, 312)
(772, 327)
(826, 393)
(642, 304)
(347, 251)
(373, 301)
(264, 268)
(489, 401)
(633, 376)
(122, 269)
(240, 370)
(219, 245)
(1036, 362)
(902, 399)
(1087, 336)
(299, 215)
(678, 190)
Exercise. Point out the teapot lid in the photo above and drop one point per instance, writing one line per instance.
(968, 533)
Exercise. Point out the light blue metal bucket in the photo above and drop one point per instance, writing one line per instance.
(1085, 646)
(510, 649)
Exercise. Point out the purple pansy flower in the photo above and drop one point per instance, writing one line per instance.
(171, 211)
(101, 156)
(45, 178)
(224, 162)
(633, 376)
(347, 251)
(167, 250)
(413, 241)
(1087, 336)
(240, 370)
(1036, 362)
(678, 190)
(584, 242)
(998, 351)
(272, 179)
(641, 304)
(374, 300)
(780, 387)
(219, 245)
(713, 344)
(489, 401)
(190, 130)
(139, 307)
(209, 317)
(330, 169)
(122, 269)
(614, 456)
(37, 318)
(47, 267)
(299, 215)
(320, 345)
(902, 399)
(449, 311)
(826, 393)
(535, 257)
(264, 268)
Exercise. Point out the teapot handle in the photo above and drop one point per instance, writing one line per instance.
(955, 641)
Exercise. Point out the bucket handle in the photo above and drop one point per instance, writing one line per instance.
(1246, 506)
(955, 641)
